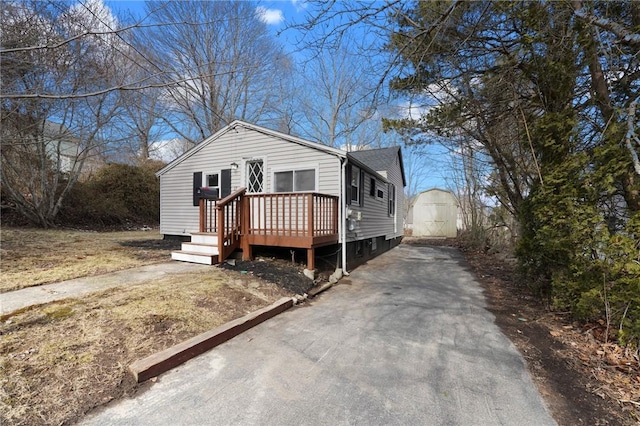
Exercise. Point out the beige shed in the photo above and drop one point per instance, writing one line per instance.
(435, 214)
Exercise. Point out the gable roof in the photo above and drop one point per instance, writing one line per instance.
(254, 127)
(57, 131)
(380, 159)
(372, 158)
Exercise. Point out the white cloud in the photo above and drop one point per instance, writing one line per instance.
(299, 4)
(169, 149)
(93, 15)
(409, 109)
(269, 16)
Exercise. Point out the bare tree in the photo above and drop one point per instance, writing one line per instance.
(338, 107)
(219, 62)
(46, 142)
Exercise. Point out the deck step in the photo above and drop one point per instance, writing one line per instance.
(209, 249)
(204, 238)
(194, 257)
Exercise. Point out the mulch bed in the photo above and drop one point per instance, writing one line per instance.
(278, 271)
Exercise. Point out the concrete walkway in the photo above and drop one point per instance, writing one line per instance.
(405, 340)
(14, 300)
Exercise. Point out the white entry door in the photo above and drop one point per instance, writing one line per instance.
(255, 176)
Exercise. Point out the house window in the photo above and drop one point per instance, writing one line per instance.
(212, 180)
(255, 176)
(295, 180)
(380, 194)
(372, 187)
(392, 199)
(355, 185)
(211, 185)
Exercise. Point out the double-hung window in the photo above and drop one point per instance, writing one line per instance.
(374, 190)
(355, 185)
(213, 180)
(212, 185)
(303, 180)
(392, 199)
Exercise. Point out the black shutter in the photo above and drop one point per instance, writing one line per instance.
(347, 184)
(361, 188)
(197, 183)
(225, 183)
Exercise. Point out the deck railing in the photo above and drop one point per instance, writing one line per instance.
(223, 217)
(208, 216)
(292, 214)
(292, 219)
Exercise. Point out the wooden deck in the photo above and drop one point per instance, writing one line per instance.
(296, 220)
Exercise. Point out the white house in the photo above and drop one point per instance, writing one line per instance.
(248, 186)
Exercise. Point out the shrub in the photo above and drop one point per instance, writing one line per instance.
(577, 256)
(117, 194)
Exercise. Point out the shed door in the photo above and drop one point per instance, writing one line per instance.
(438, 220)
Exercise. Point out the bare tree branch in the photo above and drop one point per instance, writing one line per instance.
(631, 136)
(624, 34)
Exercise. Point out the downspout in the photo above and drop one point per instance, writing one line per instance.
(343, 213)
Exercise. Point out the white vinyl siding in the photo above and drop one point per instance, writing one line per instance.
(376, 221)
(394, 176)
(178, 216)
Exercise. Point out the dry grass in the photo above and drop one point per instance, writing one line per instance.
(60, 360)
(31, 257)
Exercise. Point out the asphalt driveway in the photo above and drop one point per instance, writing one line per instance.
(405, 340)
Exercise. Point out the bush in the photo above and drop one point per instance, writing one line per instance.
(578, 257)
(117, 194)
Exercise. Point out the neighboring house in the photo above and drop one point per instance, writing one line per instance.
(433, 213)
(64, 149)
(249, 186)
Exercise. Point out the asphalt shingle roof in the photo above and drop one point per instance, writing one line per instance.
(380, 159)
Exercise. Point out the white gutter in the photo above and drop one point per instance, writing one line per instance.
(343, 213)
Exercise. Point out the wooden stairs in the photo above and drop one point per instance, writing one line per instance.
(203, 249)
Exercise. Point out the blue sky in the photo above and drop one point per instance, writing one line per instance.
(277, 14)
(274, 13)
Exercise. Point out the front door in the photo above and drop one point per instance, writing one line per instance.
(255, 176)
(255, 185)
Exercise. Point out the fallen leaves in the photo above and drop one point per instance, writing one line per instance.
(602, 367)
(615, 368)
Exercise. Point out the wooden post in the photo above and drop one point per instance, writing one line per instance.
(311, 259)
(202, 214)
(246, 223)
(221, 232)
(310, 215)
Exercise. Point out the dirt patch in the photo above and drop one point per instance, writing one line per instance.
(152, 244)
(278, 271)
(32, 257)
(583, 380)
(59, 361)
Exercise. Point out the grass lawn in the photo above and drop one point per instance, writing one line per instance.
(31, 257)
(60, 360)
